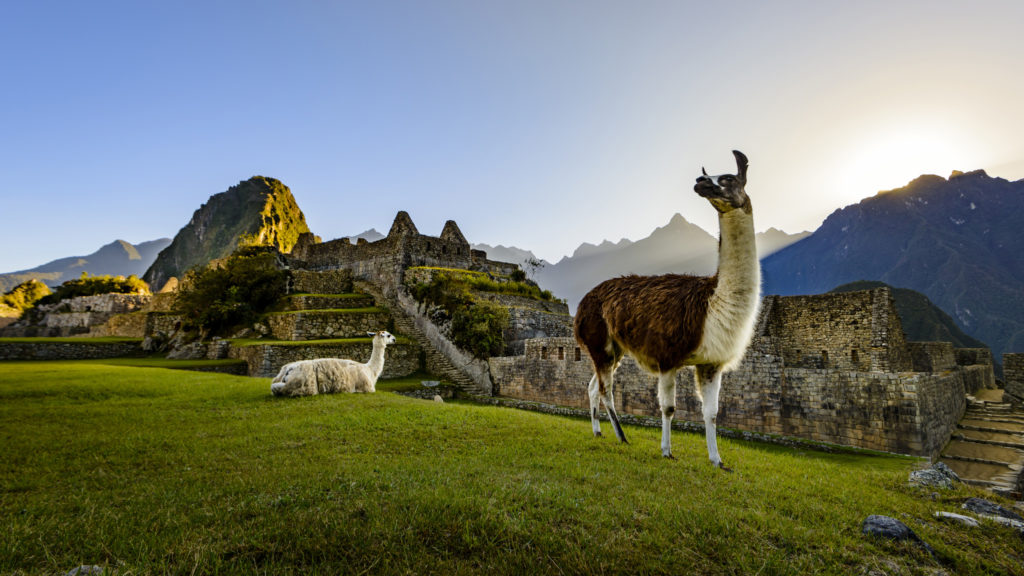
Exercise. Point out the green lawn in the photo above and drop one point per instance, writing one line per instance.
(155, 471)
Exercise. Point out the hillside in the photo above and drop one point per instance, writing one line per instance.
(260, 210)
(119, 258)
(677, 247)
(958, 241)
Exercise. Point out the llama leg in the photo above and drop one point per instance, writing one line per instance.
(609, 403)
(595, 404)
(709, 380)
(667, 401)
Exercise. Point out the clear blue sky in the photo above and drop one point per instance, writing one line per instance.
(539, 124)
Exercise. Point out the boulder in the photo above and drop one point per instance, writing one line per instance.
(891, 529)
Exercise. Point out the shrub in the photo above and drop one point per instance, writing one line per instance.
(479, 328)
(87, 285)
(213, 300)
(25, 295)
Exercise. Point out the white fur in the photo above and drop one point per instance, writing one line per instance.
(732, 311)
(330, 375)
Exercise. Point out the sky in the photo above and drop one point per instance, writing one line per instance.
(535, 124)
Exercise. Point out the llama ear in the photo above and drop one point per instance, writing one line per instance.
(371, 334)
(741, 164)
(703, 171)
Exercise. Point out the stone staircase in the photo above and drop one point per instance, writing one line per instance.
(436, 362)
(987, 448)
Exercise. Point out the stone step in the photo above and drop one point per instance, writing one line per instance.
(436, 360)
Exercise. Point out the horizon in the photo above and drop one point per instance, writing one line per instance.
(536, 125)
(429, 231)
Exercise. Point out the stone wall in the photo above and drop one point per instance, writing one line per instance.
(322, 282)
(319, 324)
(978, 377)
(329, 301)
(79, 349)
(265, 360)
(383, 262)
(131, 325)
(974, 357)
(829, 395)
(1013, 373)
(910, 413)
(845, 331)
(932, 356)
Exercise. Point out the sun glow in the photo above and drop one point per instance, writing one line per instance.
(891, 157)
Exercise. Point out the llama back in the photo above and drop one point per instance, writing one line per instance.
(342, 375)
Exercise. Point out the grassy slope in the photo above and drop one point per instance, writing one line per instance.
(161, 471)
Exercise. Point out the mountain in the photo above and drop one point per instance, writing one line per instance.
(370, 235)
(509, 254)
(677, 247)
(957, 240)
(119, 258)
(259, 210)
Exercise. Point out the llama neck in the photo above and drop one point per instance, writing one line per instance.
(739, 272)
(376, 363)
(732, 309)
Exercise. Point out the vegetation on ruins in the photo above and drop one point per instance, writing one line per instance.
(87, 285)
(23, 296)
(213, 300)
(187, 472)
(476, 325)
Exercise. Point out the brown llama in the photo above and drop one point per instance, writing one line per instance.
(667, 322)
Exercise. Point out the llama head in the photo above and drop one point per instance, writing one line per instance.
(726, 191)
(384, 337)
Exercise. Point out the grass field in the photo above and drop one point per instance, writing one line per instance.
(154, 471)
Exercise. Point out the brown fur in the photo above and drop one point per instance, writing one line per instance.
(658, 320)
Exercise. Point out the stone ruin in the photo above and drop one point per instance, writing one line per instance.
(831, 368)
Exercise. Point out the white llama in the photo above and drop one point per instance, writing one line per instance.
(329, 375)
(667, 322)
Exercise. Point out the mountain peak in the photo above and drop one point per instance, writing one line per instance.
(260, 210)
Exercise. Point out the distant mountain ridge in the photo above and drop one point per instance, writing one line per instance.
(678, 247)
(958, 241)
(119, 258)
(260, 210)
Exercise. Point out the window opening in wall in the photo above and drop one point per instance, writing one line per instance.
(561, 353)
(854, 356)
(578, 355)
(824, 358)
(543, 352)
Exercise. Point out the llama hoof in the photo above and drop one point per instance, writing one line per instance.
(724, 468)
(669, 456)
(597, 434)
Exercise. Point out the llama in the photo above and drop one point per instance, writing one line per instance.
(329, 375)
(667, 322)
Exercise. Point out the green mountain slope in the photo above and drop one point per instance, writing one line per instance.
(261, 210)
